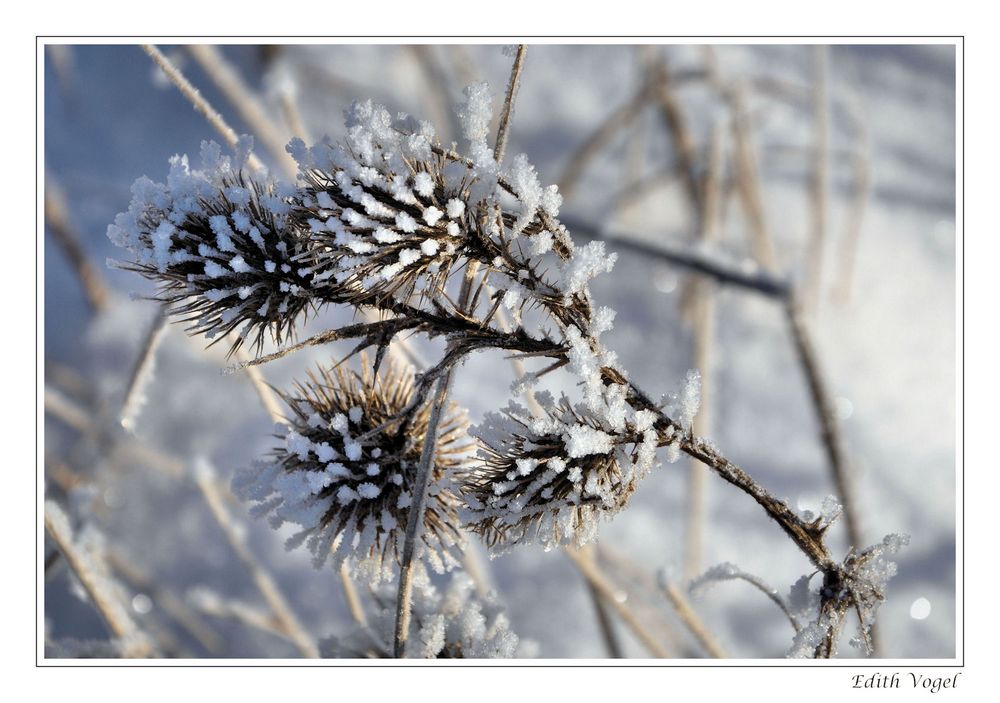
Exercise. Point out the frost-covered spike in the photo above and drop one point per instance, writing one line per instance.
(548, 479)
(340, 489)
(208, 233)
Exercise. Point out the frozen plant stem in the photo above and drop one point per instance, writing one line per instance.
(415, 515)
(415, 518)
(200, 103)
(205, 479)
(604, 621)
(246, 102)
(818, 184)
(703, 322)
(58, 222)
(608, 592)
(691, 620)
(142, 372)
(826, 415)
(508, 103)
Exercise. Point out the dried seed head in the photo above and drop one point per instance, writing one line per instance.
(390, 213)
(450, 625)
(547, 479)
(219, 243)
(346, 469)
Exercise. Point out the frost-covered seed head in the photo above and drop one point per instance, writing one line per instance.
(219, 244)
(347, 483)
(549, 479)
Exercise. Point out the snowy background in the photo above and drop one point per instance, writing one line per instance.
(887, 348)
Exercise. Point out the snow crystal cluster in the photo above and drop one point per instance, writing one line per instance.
(345, 471)
(454, 624)
(221, 245)
(548, 479)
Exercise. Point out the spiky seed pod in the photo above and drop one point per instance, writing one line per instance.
(220, 244)
(548, 479)
(391, 214)
(346, 467)
(455, 624)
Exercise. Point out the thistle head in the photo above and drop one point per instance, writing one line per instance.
(346, 468)
(220, 244)
(548, 479)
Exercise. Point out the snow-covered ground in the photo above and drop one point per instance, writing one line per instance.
(888, 351)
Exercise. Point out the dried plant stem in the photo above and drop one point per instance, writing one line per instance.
(94, 288)
(246, 102)
(71, 414)
(611, 643)
(200, 103)
(764, 588)
(293, 116)
(680, 135)
(414, 518)
(244, 614)
(142, 371)
(351, 596)
(618, 120)
(290, 625)
(691, 620)
(703, 323)
(855, 222)
(759, 281)
(826, 415)
(164, 598)
(106, 601)
(818, 185)
(268, 398)
(608, 592)
(508, 104)
(748, 181)
(436, 82)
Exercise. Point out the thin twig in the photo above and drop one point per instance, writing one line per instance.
(142, 372)
(827, 417)
(57, 218)
(748, 181)
(415, 517)
(703, 323)
(508, 104)
(855, 223)
(818, 184)
(98, 585)
(691, 620)
(607, 627)
(168, 601)
(206, 482)
(731, 572)
(199, 102)
(758, 280)
(436, 84)
(680, 135)
(609, 593)
(246, 102)
(212, 603)
(268, 398)
(618, 120)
